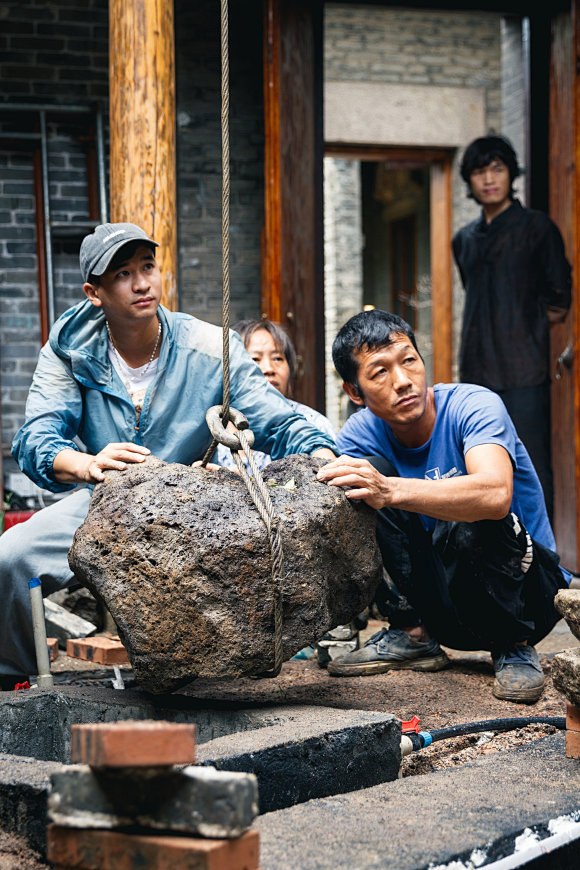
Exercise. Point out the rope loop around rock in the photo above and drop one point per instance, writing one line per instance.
(219, 415)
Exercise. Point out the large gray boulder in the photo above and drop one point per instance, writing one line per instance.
(181, 559)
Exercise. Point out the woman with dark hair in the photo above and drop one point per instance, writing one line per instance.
(517, 281)
(272, 350)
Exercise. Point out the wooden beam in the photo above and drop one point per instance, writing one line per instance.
(142, 125)
(272, 236)
(441, 276)
(292, 242)
(386, 153)
(563, 189)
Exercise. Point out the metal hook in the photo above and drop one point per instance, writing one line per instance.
(216, 426)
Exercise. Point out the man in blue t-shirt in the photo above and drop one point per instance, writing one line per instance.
(461, 523)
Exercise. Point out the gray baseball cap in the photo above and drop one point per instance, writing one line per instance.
(98, 249)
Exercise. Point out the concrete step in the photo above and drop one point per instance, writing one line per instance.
(459, 814)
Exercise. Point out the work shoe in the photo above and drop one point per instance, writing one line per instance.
(518, 675)
(390, 650)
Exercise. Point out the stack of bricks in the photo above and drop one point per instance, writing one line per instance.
(572, 731)
(126, 778)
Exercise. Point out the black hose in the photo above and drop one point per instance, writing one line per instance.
(496, 725)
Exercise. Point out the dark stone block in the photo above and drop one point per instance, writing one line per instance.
(182, 560)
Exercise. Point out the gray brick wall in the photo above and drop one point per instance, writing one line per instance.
(52, 52)
(422, 47)
(58, 52)
(199, 157)
(415, 46)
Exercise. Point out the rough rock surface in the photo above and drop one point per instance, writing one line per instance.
(567, 603)
(181, 558)
(566, 674)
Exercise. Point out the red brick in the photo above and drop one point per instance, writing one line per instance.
(52, 648)
(102, 650)
(133, 744)
(573, 744)
(110, 850)
(572, 718)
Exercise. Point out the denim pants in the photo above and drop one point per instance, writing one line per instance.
(481, 585)
(37, 548)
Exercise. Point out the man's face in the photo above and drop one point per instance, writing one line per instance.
(131, 290)
(392, 382)
(491, 184)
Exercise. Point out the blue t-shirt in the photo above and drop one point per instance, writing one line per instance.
(467, 416)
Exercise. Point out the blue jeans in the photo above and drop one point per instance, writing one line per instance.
(37, 548)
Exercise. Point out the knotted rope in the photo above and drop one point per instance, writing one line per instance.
(219, 416)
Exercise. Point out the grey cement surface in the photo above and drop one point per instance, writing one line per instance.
(24, 784)
(315, 755)
(37, 722)
(414, 822)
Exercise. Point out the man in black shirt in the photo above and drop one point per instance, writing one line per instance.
(517, 281)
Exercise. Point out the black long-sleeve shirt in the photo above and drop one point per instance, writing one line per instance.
(512, 270)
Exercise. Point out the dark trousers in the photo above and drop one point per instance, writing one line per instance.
(465, 582)
(529, 408)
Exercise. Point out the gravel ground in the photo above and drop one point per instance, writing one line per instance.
(16, 855)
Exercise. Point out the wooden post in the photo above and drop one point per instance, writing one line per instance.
(564, 192)
(142, 123)
(292, 241)
(441, 280)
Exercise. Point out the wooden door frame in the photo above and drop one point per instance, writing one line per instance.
(439, 161)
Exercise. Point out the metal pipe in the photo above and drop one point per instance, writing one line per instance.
(44, 107)
(101, 165)
(45, 678)
(47, 227)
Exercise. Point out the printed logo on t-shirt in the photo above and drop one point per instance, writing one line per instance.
(435, 473)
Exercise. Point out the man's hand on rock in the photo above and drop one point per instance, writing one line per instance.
(367, 483)
(71, 466)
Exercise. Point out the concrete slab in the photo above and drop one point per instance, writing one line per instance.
(424, 821)
(24, 784)
(37, 722)
(322, 752)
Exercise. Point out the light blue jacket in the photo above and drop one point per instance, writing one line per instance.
(76, 391)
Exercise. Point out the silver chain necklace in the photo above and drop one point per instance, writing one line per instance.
(122, 361)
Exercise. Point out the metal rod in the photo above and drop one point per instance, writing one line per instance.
(44, 107)
(45, 678)
(101, 165)
(47, 227)
(20, 136)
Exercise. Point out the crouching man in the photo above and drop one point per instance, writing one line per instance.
(127, 377)
(461, 523)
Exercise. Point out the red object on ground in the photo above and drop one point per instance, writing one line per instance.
(24, 685)
(52, 648)
(411, 725)
(111, 850)
(133, 744)
(103, 650)
(572, 718)
(12, 518)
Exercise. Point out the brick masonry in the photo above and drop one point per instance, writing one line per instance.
(58, 52)
(421, 47)
(49, 53)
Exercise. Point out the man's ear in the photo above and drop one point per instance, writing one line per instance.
(353, 394)
(92, 294)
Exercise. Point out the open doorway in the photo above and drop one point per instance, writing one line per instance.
(388, 246)
(396, 247)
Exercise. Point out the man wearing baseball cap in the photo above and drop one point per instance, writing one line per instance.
(120, 377)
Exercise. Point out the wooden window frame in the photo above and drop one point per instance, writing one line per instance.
(439, 162)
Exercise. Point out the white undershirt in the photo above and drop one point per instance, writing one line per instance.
(134, 379)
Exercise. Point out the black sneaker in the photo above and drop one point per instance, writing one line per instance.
(518, 675)
(390, 650)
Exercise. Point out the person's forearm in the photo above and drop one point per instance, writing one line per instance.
(463, 499)
(324, 453)
(70, 466)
